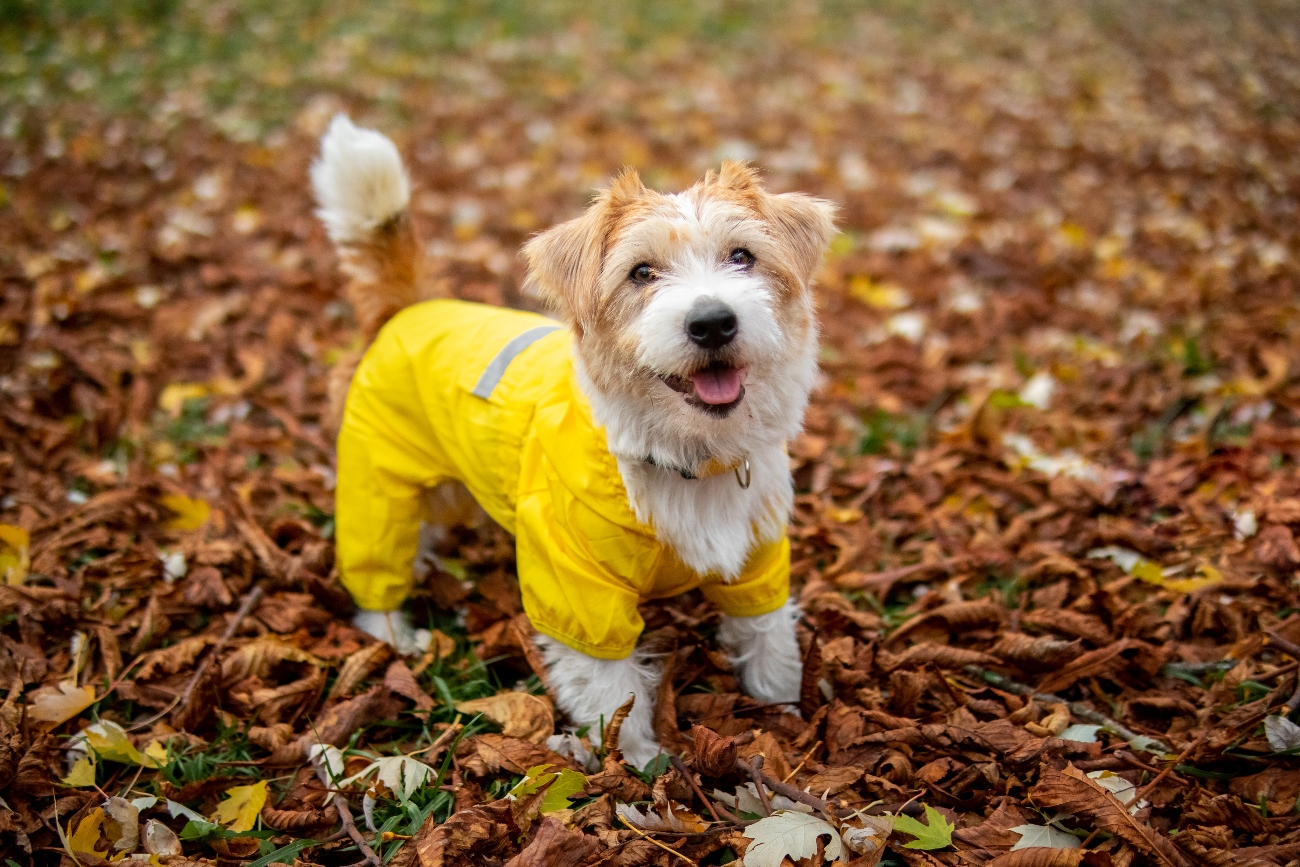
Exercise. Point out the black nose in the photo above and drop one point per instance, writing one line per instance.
(711, 324)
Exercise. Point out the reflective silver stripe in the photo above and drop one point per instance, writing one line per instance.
(497, 366)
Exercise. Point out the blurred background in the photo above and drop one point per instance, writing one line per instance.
(1037, 199)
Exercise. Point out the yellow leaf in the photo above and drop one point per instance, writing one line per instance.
(15, 554)
(156, 751)
(59, 703)
(844, 516)
(881, 296)
(1209, 576)
(82, 773)
(190, 514)
(242, 806)
(83, 840)
(1149, 572)
(109, 741)
(173, 397)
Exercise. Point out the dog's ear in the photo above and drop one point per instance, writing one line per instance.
(804, 225)
(737, 176)
(564, 262)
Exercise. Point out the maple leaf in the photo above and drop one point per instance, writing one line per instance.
(82, 773)
(1043, 836)
(241, 806)
(563, 785)
(935, 834)
(190, 514)
(786, 834)
(403, 775)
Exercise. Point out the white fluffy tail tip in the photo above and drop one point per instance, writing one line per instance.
(359, 180)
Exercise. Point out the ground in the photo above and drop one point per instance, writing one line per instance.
(1048, 496)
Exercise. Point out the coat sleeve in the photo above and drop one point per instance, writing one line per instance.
(386, 459)
(763, 587)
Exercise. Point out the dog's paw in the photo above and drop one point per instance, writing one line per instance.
(394, 628)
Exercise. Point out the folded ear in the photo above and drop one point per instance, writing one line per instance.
(804, 225)
(564, 266)
(564, 262)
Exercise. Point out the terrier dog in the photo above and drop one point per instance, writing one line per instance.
(635, 452)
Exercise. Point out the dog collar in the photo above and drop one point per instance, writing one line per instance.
(710, 468)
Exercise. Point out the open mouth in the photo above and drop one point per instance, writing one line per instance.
(716, 389)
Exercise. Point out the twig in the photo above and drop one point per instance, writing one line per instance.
(755, 769)
(250, 602)
(1079, 709)
(644, 836)
(1293, 651)
(450, 732)
(345, 816)
(802, 762)
(690, 779)
(794, 793)
(1191, 748)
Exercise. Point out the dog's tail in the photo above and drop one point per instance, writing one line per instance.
(363, 194)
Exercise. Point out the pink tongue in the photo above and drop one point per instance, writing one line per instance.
(718, 385)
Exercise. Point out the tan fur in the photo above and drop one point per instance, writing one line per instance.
(387, 272)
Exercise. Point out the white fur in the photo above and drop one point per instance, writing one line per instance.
(765, 652)
(359, 180)
(393, 627)
(590, 690)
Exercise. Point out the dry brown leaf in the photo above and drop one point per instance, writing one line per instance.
(519, 714)
(1072, 791)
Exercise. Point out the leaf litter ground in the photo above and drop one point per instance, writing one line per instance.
(1045, 532)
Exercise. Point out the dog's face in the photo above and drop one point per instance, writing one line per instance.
(693, 310)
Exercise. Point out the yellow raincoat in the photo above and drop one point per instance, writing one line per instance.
(487, 396)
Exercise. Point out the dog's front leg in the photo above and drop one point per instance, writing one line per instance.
(590, 690)
(765, 652)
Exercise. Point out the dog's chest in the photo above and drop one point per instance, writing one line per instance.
(713, 524)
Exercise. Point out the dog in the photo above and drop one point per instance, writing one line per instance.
(636, 448)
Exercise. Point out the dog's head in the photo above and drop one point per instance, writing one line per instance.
(693, 312)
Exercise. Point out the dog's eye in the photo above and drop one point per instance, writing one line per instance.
(642, 273)
(742, 257)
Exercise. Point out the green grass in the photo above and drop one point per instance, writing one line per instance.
(192, 765)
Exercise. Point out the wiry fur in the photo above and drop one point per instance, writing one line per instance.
(629, 345)
(363, 194)
(765, 652)
(590, 690)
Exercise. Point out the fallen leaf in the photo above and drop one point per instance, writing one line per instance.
(868, 841)
(189, 514)
(786, 834)
(82, 841)
(59, 703)
(403, 775)
(1034, 836)
(241, 806)
(1074, 792)
(82, 773)
(519, 714)
(562, 786)
(15, 554)
(1282, 734)
(936, 833)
